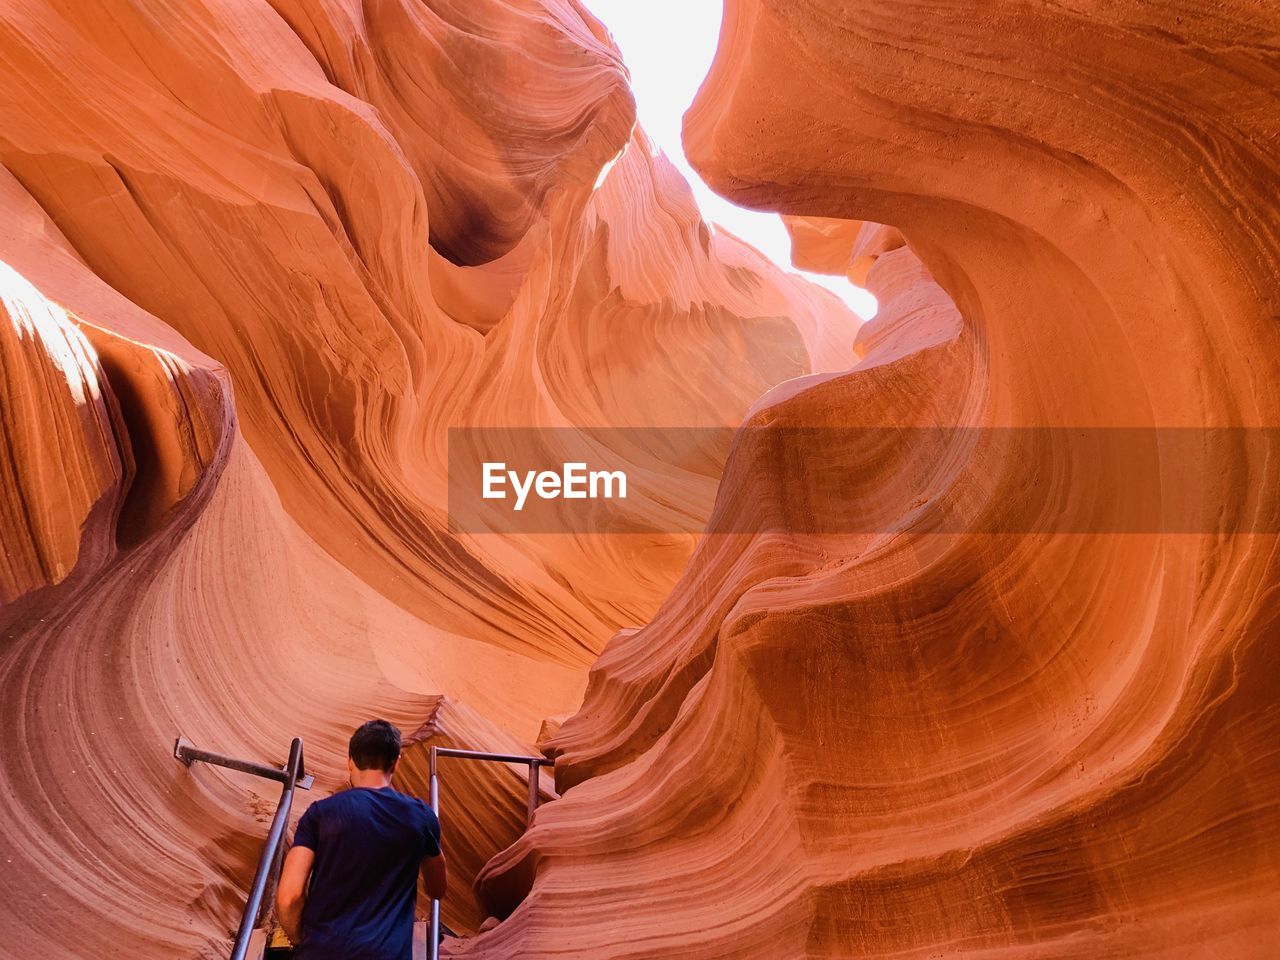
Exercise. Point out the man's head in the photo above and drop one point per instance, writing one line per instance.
(374, 748)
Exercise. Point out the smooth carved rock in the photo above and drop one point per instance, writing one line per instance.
(1049, 742)
(345, 228)
(279, 218)
(483, 805)
(259, 258)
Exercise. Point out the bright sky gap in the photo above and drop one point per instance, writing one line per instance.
(667, 66)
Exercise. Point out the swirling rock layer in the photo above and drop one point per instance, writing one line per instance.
(1036, 740)
(258, 259)
(912, 743)
(483, 805)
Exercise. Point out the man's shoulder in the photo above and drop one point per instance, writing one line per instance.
(326, 804)
(412, 802)
(416, 806)
(343, 799)
(357, 797)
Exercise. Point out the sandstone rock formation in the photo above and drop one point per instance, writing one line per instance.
(483, 807)
(259, 258)
(1043, 738)
(908, 698)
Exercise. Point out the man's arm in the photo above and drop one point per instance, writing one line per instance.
(291, 892)
(435, 876)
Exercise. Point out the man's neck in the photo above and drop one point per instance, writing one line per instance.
(371, 779)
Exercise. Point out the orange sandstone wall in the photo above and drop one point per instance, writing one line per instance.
(260, 257)
(257, 259)
(1038, 739)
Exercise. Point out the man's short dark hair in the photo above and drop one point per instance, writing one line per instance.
(375, 745)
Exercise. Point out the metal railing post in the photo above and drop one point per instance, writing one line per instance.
(292, 776)
(533, 790)
(433, 946)
(433, 762)
(261, 877)
(187, 752)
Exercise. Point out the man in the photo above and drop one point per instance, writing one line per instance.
(362, 850)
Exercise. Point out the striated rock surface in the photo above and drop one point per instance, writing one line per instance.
(677, 774)
(267, 171)
(483, 805)
(1042, 738)
(913, 695)
(258, 258)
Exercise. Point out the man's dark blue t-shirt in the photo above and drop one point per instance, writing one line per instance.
(369, 846)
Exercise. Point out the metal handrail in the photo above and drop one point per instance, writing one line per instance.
(292, 775)
(534, 763)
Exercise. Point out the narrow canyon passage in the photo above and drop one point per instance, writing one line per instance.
(948, 632)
